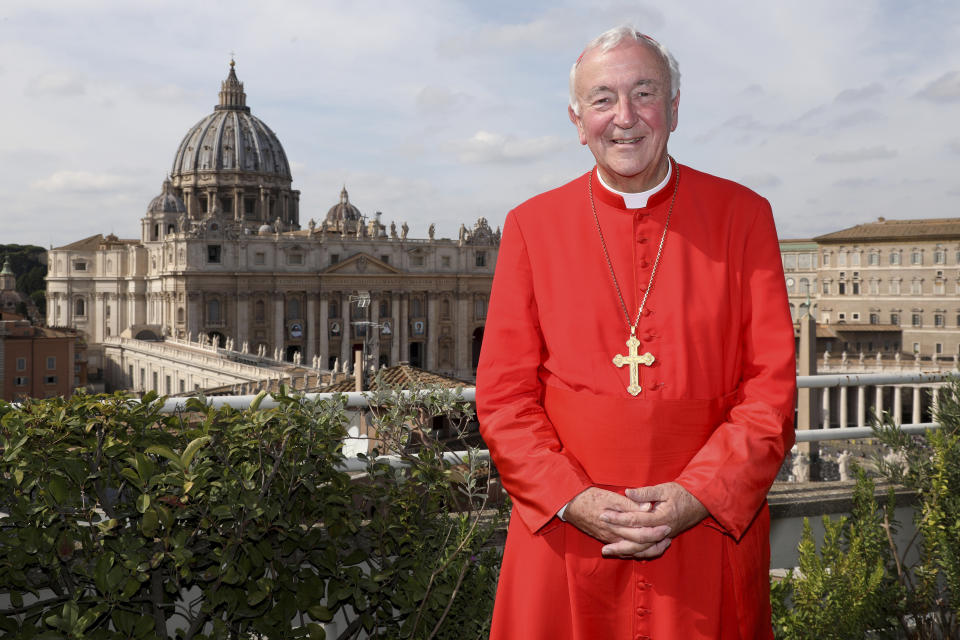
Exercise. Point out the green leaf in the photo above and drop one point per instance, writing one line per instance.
(256, 598)
(58, 489)
(166, 452)
(143, 502)
(320, 613)
(316, 631)
(192, 449)
(149, 522)
(255, 404)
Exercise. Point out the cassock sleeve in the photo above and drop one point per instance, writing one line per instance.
(535, 469)
(733, 471)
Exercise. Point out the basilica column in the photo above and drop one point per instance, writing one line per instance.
(395, 335)
(98, 316)
(311, 328)
(463, 335)
(264, 209)
(433, 332)
(403, 330)
(373, 331)
(193, 314)
(238, 204)
(345, 333)
(898, 404)
(243, 319)
(324, 330)
(278, 328)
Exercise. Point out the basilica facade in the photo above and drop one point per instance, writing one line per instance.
(222, 254)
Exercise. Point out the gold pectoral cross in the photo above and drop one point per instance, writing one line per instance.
(634, 361)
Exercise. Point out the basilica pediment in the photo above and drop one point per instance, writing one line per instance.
(362, 263)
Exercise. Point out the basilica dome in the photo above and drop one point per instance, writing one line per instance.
(231, 139)
(167, 201)
(343, 215)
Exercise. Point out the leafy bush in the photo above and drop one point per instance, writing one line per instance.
(124, 522)
(859, 583)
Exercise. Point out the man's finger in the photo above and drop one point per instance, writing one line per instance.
(646, 494)
(632, 518)
(654, 550)
(641, 535)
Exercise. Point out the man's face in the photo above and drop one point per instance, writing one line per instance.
(626, 114)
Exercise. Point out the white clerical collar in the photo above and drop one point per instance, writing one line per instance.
(638, 200)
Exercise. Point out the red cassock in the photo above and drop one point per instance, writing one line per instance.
(715, 412)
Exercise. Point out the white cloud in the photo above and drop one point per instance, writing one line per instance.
(858, 155)
(946, 88)
(80, 181)
(434, 100)
(954, 145)
(485, 146)
(761, 180)
(55, 83)
(871, 90)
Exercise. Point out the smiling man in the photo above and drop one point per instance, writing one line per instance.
(636, 382)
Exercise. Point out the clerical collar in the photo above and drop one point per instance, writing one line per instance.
(638, 200)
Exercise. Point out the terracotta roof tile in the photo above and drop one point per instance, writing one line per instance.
(898, 230)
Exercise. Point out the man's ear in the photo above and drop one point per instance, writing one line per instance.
(575, 119)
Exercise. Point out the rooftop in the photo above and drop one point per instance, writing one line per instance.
(883, 229)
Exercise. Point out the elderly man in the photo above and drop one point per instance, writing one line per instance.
(636, 382)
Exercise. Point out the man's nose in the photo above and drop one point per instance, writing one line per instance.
(626, 115)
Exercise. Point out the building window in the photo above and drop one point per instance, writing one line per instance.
(874, 318)
(873, 259)
(182, 384)
(384, 309)
(855, 259)
(895, 319)
(416, 308)
(855, 316)
(416, 261)
(826, 287)
(916, 287)
(80, 307)
(790, 261)
(481, 258)
(805, 260)
(180, 315)
(248, 207)
(916, 347)
(895, 286)
(804, 286)
(106, 311)
(939, 287)
(21, 364)
(333, 309)
(875, 287)
(213, 253)
(385, 259)
(856, 288)
(259, 258)
(295, 258)
(938, 320)
(842, 288)
(894, 257)
(841, 316)
(445, 309)
(20, 381)
(80, 266)
(259, 312)
(916, 320)
(213, 311)
(939, 256)
(826, 259)
(50, 380)
(445, 261)
(334, 258)
(938, 348)
(480, 308)
(916, 257)
(293, 309)
(842, 259)
(51, 362)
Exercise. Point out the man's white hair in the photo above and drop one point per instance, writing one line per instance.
(610, 39)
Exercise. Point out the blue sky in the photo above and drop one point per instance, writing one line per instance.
(445, 111)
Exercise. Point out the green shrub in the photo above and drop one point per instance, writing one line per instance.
(124, 522)
(858, 583)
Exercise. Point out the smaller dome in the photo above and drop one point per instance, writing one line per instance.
(264, 229)
(343, 212)
(167, 201)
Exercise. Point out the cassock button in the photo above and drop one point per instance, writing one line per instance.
(647, 311)
(643, 264)
(641, 240)
(649, 336)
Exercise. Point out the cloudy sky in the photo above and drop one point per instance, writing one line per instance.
(448, 110)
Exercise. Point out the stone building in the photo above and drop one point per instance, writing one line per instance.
(888, 289)
(222, 254)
